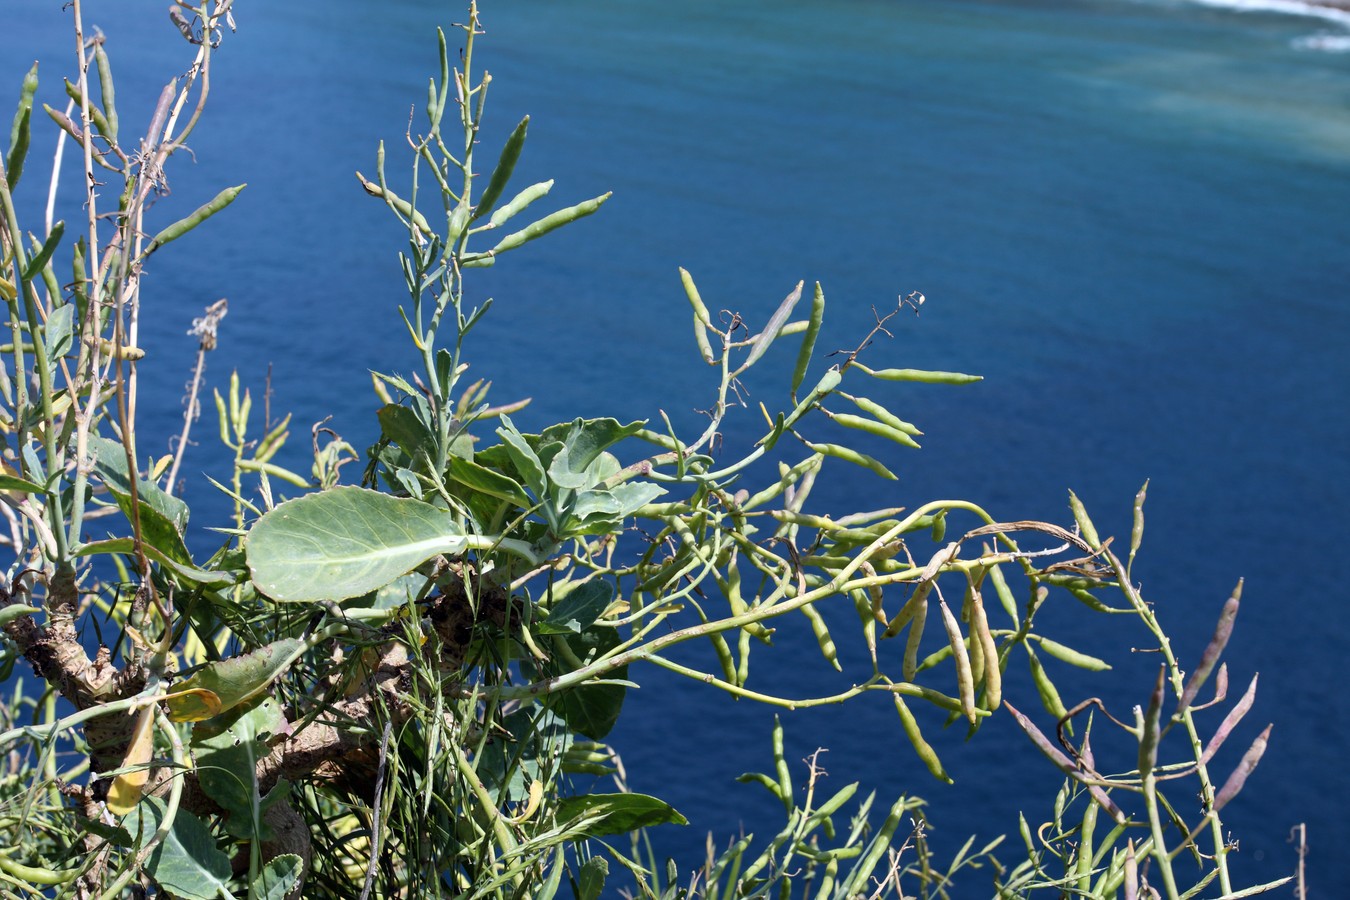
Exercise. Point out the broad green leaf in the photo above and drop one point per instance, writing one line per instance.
(57, 334)
(588, 438)
(494, 484)
(591, 879)
(619, 813)
(591, 710)
(278, 877)
(345, 542)
(111, 461)
(234, 681)
(186, 863)
(402, 426)
(227, 749)
(634, 495)
(522, 455)
(578, 609)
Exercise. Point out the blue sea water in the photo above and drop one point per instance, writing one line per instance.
(1131, 217)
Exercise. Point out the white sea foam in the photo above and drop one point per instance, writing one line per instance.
(1286, 7)
(1324, 42)
(1327, 43)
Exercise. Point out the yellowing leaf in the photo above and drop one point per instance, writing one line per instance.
(127, 788)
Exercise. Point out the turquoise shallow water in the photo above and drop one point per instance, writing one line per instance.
(1130, 217)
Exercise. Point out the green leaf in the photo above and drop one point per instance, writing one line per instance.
(184, 571)
(403, 426)
(111, 461)
(586, 439)
(57, 335)
(522, 455)
(591, 710)
(591, 879)
(578, 609)
(345, 542)
(277, 878)
(618, 813)
(485, 480)
(186, 863)
(236, 680)
(15, 483)
(228, 749)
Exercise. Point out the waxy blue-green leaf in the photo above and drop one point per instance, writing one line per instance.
(186, 863)
(345, 542)
(578, 609)
(228, 749)
(487, 481)
(586, 439)
(278, 877)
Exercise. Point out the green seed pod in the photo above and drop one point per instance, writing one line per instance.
(506, 164)
(875, 428)
(199, 215)
(822, 633)
(549, 223)
(925, 750)
(965, 682)
(105, 82)
(1005, 595)
(1045, 687)
(1085, 526)
(403, 207)
(64, 123)
(1072, 656)
(910, 663)
(984, 638)
(1137, 532)
(863, 604)
(907, 612)
(519, 202)
(848, 454)
(882, 414)
(781, 766)
(809, 340)
(702, 322)
(95, 114)
(20, 132)
(921, 376)
(939, 530)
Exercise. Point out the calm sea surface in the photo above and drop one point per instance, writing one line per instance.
(1132, 218)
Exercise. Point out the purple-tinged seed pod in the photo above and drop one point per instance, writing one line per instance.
(1148, 740)
(1235, 782)
(1230, 722)
(1131, 872)
(1066, 765)
(1222, 632)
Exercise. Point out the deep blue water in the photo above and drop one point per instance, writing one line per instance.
(1130, 217)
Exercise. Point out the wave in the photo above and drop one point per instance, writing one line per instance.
(1326, 42)
(1287, 7)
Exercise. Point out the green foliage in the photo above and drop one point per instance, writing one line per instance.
(401, 688)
